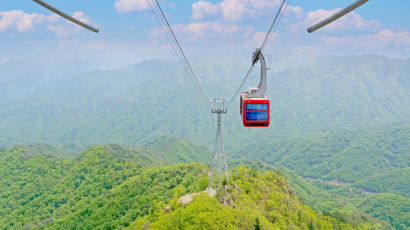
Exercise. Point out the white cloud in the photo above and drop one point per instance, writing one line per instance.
(21, 20)
(203, 8)
(204, 31)
(352, 21)
(295, 10)
(68, 28)
(258, 37)
(79, 15)
(123, 6)
(381, 40)
(60, 30)
(234, 10)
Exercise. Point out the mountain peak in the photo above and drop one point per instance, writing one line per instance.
(257, 201)
(173, 149)
(40, 149)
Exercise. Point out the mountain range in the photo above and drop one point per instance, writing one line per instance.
(340, 131)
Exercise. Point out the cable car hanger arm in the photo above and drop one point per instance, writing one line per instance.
(337, 15)
(272, 27)
(66, 16)
(260, 91)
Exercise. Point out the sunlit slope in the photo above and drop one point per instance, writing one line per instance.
(104, 186)
(264, 201)
(111, 186)
(310, 93)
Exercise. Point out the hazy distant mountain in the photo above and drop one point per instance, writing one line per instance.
(310, 92)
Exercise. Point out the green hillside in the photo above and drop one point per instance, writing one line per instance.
(110, 187)
(342, 202)
(346, 202)
(394, 208)
(44, 192)
(396, 181)
(346, 169)
(264, 201)
(342, 156)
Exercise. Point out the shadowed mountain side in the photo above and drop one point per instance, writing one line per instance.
(396, 181)
(344, 156)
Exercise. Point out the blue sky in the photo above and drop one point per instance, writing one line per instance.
(130, 33)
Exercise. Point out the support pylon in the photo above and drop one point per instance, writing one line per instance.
(219, 165)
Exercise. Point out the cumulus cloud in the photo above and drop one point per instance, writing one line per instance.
(203, 31)
(21, 20)
(258, 37)
(234, 10)
(297, 11)
(202, 9)
(66, 29)
(124, 6)
(352, 21)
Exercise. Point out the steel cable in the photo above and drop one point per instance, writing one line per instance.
(184, 59)
(268, 36)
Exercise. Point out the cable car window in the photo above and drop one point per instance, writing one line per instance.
(257, 116)
(257, 107)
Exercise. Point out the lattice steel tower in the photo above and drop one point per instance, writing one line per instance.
(219, 166)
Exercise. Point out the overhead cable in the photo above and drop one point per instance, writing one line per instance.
(167, 35)
(177, 47)
(337, 15)
(273, 25)
(66, 16)
(268, 36)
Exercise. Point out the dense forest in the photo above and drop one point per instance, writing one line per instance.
(356, 167)
(111, 187)
(264, 201)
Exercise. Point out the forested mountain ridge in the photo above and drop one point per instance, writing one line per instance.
(45, 192)
(349, 203)
(141, 103)
(261, 201)
(347, 165)
(175, 150)
(322, 108)
(395, 181)
(345, 156)
(107, 186)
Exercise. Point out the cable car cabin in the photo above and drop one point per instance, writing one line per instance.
(255, 111)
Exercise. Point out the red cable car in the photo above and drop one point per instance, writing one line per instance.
(255, 105)
(255, 111)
